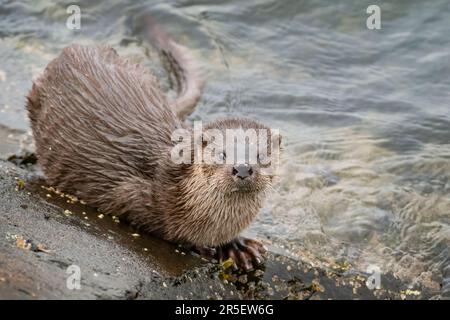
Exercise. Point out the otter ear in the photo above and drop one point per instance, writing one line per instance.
(206, 139)
(213, 136)
(280, 138)
(198, 140)
(276, 138)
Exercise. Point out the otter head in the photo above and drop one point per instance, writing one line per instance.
(239, 155)
(231, 165)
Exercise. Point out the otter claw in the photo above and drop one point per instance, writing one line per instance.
(246, 253)
(205, 252)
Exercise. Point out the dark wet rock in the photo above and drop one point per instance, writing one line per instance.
(446, 281)
(23, 160)
(117, 262)
(10, 140)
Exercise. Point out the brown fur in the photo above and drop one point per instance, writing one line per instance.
(102, 128)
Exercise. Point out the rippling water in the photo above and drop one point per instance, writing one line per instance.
(364, 113)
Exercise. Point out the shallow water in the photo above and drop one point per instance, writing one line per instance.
(364, 113)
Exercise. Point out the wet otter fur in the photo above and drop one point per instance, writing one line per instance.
(102, 128)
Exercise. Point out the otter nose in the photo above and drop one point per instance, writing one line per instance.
(242, 171)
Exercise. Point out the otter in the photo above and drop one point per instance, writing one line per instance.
(102, 127)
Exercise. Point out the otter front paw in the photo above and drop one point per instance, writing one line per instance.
(245, 253)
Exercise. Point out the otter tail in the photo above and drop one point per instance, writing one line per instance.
(183, 67)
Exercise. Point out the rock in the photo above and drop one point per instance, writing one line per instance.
(114, 263)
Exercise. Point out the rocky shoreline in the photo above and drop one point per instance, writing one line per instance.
(43, 232)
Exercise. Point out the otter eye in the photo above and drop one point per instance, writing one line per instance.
(261, 158)
(221, 156)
